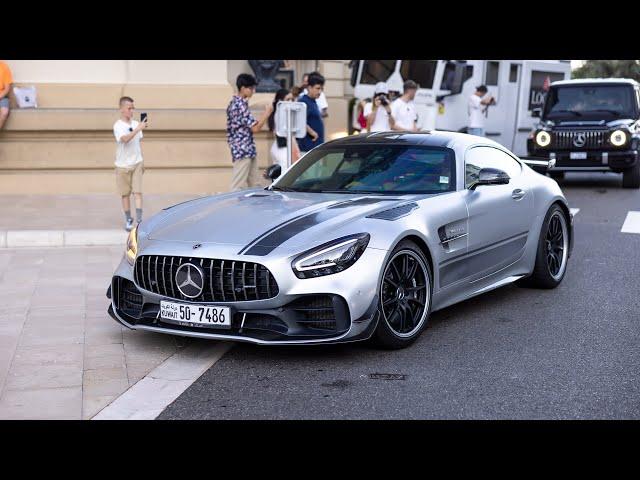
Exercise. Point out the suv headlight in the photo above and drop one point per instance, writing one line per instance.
(618, 138)
(543, 138)
(331, 257)
(132, 245)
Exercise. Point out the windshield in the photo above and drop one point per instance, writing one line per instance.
(590, 102)
(372, 168)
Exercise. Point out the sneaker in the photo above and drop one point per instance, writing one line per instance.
(129, 225)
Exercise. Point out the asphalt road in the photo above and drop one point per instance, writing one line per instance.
(513, 353)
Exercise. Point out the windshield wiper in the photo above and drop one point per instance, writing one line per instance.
(284, 189)
(577, 114)
(613, 112)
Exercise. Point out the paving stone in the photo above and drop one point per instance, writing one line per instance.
(104, 381)
(42, 404)
(92, 404)
(104, 356)
(28, 377)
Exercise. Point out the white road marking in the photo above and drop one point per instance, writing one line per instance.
(631, 223)
(150, 396)
(574, 211)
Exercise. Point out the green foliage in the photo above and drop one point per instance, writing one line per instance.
(608, 69)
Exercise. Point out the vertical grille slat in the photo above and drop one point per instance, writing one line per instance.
(244, 285)
(233, 280)
(224, 299)
(159, 278)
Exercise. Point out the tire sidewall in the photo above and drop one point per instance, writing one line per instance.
(542, 254)
(384, 335)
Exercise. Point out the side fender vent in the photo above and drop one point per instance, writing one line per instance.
(395, 213)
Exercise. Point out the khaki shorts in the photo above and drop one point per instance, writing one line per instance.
(129, 180)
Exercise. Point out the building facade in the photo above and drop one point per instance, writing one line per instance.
(66, 145)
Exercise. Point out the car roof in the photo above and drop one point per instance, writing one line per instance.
(431, 138)
(596, 81)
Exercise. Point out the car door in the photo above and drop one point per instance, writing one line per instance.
(499, 215)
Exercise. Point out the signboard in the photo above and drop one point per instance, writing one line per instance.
(540, 85)
(298, 112)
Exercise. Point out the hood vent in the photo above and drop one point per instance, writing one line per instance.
(395, 213)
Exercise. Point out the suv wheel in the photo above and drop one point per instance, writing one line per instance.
(631, 177)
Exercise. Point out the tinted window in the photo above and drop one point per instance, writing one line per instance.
(493, 69)
(583, 102)
(374, 71)
(486, 157)
(373, 169)
(420, 71)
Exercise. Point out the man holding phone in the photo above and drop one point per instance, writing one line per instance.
(129, 163)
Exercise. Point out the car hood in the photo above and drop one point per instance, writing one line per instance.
(243, 217)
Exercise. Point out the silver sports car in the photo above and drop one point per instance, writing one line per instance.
(362, 238)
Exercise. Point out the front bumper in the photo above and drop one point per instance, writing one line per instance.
(305, 311)
(596, 160)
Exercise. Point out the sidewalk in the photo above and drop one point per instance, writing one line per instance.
(70, 220)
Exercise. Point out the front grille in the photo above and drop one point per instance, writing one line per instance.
(316, 312)
(224, 280)
(592, 138)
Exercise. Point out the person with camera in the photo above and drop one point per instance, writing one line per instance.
(378, 112)
(478, 104)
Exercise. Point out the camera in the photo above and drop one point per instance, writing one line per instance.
(384, 100)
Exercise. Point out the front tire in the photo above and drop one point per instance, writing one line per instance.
(552, 253)
(631, 177)
(404, 300)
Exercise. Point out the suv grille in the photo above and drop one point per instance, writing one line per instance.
(224, 280)
(567, 139)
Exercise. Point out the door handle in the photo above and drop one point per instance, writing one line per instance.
(518, 193)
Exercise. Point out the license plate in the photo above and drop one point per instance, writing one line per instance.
(183, 313)
(578, 155)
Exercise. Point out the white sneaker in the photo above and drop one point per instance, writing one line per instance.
(129, 225)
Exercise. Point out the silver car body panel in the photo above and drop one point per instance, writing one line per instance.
(492, 238)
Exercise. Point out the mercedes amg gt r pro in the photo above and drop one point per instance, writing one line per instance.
(364, 237)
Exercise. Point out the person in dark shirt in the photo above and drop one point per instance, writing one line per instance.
(315, 127)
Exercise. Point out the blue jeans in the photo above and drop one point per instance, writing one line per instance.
(476, 131)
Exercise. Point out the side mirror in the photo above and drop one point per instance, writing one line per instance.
(274, 171)
(536, 112)
(490, 176)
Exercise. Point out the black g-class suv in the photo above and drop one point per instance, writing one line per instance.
(590, 125)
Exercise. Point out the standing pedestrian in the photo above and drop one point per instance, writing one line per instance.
(279, 146)
(478, 104)
(129, 162)
(403, 109)
(6, 79)
(321, 100)
(378, 113)
(241, 125)
(315, 127)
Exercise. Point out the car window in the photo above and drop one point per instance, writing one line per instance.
(478, 158)
(373, 168)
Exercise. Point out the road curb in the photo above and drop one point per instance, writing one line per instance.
(61, 238)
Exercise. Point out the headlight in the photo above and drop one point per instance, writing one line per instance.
(618, 138)
(132, 245)
(331, 257)
(543, 138)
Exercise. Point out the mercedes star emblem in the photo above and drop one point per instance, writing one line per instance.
(580, 139)
(190, 280)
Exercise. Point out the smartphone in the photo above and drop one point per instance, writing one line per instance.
(143, 117)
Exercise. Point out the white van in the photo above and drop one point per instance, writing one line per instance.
(446, 85)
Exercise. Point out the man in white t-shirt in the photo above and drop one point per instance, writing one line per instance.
(378, 113)
(321, 101)
(129, 162)
(478, 104)
(403, 109)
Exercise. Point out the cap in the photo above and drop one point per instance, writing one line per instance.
(381, 87)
